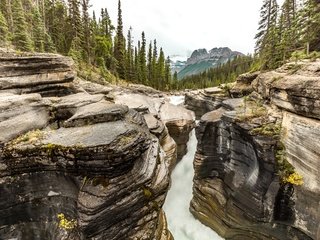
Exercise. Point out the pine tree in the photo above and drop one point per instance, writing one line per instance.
(137, 65)
(143, 61)
(154, 64)
(119, 48)
(75, 30)
(39, 33)
(175, 76)
(6, 9)
(87, 41)
(309, 25)
(167, 73)
(266, 38)
(149, 65)
(56, 18)
(130, 57)
(48, 44)
(161, 70)
(289, 31)
(4, 31)
(21, 38)
(75, 18)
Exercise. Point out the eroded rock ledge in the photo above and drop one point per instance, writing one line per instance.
(239, 186)
(76, 165)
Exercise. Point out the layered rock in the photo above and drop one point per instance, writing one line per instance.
(178, 120)
(47, 74)
(203, 101)
(245, 149)
(243, 85)
(74, 165)
(294, 87)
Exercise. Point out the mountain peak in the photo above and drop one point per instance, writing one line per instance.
(201, 60)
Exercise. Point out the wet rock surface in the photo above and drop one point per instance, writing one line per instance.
(73, 164)
(239, 189)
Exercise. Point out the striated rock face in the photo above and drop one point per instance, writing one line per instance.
(77, 166)
(178, 121)
(293, 87)
(47, 74)
(245, 149)
(203, 101)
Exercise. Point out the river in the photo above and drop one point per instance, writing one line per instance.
(182, 224)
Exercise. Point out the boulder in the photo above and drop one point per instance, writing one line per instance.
(243, 85)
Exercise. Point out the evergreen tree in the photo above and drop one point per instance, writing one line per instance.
(266, 38)
(39, 33)
(136, 65)
(4, 31)
(87, 40)
(289, 31)
(75, 19)
(143, 61)
(175, 76)
(75, 31)
(149, 66)
(167, 73)
(119, 48)
(154, 64)
(56, 18)
(6, 9)
(309, 25)
(161, 70)
(21, 38)
(130, 57)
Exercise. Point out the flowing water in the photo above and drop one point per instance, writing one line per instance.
(182, 224)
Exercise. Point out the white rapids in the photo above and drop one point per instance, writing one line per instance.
(182, 224)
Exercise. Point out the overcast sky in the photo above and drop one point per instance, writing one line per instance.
(181, 26)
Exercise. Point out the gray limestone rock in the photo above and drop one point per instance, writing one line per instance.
(203, 101)
(252, 154)
(74, 165)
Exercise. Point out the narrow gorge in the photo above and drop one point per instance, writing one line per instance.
(80, 160)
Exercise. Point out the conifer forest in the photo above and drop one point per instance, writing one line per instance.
(97, 46)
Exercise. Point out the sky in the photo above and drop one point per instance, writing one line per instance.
(181, 26)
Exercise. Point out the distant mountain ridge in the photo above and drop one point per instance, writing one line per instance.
(201, 60)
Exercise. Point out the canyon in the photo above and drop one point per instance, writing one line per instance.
(80, 160)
